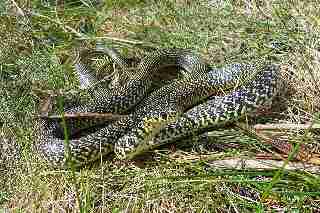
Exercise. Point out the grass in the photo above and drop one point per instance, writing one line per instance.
(36, 50)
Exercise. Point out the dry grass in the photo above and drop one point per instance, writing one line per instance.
(36, 49)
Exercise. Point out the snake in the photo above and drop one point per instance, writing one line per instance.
(123, 98)
(203, 99)
(215, 112)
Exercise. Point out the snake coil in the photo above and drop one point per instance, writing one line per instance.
(203, 99)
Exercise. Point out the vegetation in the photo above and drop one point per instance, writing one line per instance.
(38, 39)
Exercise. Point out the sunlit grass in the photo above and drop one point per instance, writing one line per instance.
(37, 47)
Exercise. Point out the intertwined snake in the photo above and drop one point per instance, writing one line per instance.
(203, 99)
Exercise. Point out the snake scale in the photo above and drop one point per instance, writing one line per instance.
(203, 99)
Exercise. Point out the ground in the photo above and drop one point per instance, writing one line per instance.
(38, 39)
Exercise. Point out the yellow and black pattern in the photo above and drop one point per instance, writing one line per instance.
(175, 110)
(213, 113)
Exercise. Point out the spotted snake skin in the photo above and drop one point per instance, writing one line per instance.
(205, 98)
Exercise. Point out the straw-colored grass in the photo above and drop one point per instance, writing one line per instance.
(37, 45)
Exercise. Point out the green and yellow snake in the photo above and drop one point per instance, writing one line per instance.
(203, 99)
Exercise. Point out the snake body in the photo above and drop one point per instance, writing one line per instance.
(126, 96)
(213, 113)
(254, 85)
(123, 98)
